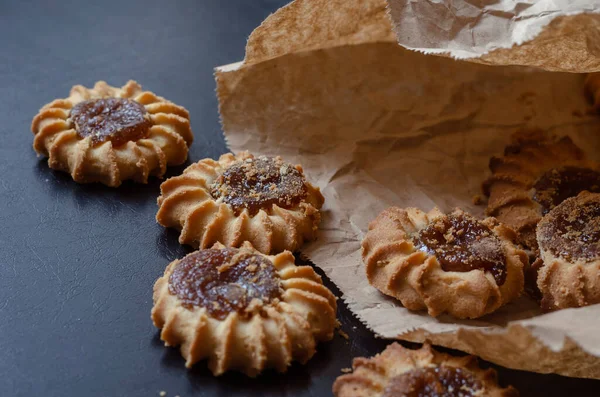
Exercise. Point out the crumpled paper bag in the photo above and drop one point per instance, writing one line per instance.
(325, 84)
(559, 35)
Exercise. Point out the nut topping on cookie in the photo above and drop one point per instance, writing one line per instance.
(572, 231)
(568, 267)
(433, 381)
(222, 281)
(243, 310)
(259, 183)
(262, 200)
(537, 172)
(402, 372)
(461, 243)
(445, 263)
(556, 185)
(116, 119)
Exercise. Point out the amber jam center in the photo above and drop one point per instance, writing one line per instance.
(111, 119)
(440, 381)
(572, 230)
(256, 184)
(224, 281)
(557, 185)
(462, 243)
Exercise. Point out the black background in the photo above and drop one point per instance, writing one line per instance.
(77, 263)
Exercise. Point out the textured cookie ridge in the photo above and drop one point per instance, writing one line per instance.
(422, 279)
(266, 334)
(569, 263)
(65, 139)
(535, 173)
(399, 371)
(196, 204)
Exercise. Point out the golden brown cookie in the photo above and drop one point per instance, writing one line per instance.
(242, 310)
(451, 263)
(535, 174)
(107, 134)
(569, 243)
(263, 200)
(401, 372)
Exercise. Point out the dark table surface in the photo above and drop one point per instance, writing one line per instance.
(77, 262)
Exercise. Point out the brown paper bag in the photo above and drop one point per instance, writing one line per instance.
(325, 84)
(559, 35)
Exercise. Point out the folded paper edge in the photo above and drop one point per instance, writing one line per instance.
(496, 55)
(463, 340)
(548, 361)
(342, 22)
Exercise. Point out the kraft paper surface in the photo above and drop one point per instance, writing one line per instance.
(325, 84)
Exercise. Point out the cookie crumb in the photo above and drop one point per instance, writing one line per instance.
(162, 393)
(343, 334)
(346, 370)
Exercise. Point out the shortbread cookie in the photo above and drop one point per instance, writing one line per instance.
(569, 243)
(451, 263)
(263, 200)
(536, 174)
(242, 310)
(107, 134)
(401, 372)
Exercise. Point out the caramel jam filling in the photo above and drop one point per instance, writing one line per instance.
(224, 280)
(461, 243)
(256, 184)
(440, 381)
(111, 119)
(572, 231)
(557, 185)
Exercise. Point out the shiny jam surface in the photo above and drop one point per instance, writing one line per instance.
(256, 184)
(559, 184)
(461, 243)
(572, 230)
(110, 119)
(440, 381)
(224, 281)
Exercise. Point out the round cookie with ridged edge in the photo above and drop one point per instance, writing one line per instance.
(536, 173)
(402, 372)
(262, 200)
(569, 263)
(443, 263)
(108, 134)
(243, 310)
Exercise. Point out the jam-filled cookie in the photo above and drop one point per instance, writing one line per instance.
(108, 134)
(401, 372)
(569, 243)
(444, 263)
(242, 310)
(263, 200)
(535, 174)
